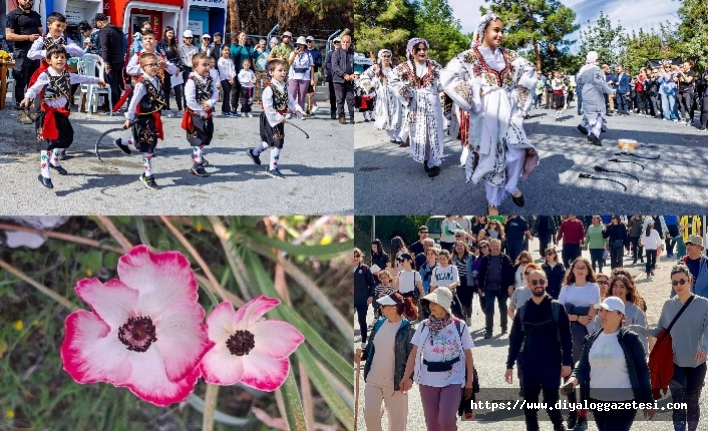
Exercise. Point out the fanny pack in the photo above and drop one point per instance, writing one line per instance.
(439, 367)
(617, 243)
(300, 69)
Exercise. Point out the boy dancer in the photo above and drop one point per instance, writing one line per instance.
(276, 101)
(147, 102)
(201, 94)
(133, 68)
(54, 131)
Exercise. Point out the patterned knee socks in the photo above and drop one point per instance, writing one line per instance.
(260, 148)
(147, 164)
(197, 153)
(44, 157)
(56, 153)
(274, 158)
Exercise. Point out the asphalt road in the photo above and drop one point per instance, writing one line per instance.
(319, 174)
(490, 361)
(675, 182)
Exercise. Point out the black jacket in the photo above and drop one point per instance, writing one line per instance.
(616, 232)
(637, 366)
(364, 285)
(111, 44)
(507, 272)
(328, 67)
(342, 64)
(555, 277)
(171, 55)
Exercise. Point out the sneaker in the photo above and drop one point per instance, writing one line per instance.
(249, 115)
(123, 148)
(275, 173)
(434, 171)
(59, 169)
(62, 155)
(204, 163)
(314, 109)
(366, 120)
(148, 182)
(487, 335)
(46, 182)
(256, 159)
(503, 331)
(352, 121)
(170, 114)
(180, 113)
(582, 424)
(342, 120)
(468, 416)
(572, 421)
(198, 170)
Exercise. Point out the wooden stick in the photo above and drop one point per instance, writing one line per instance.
(356, 392)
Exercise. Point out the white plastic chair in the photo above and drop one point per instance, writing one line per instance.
(88, 65)
(10, 86)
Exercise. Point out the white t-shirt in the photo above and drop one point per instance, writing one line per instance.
(580, 296)
(406, 281)
(444, 276)
(651, 242)
(609, 377)
(445, 347)
(519, 277)
(384, 365)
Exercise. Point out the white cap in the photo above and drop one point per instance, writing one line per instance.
(206, 36)
(188, 33)
(611, 303)
(301, 40)
(386, 300)
(591, 57)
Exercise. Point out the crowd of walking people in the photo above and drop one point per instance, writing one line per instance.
(574, 322)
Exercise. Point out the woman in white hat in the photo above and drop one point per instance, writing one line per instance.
(206, 47)
(386, 356)
(443, 363)
(302, 71)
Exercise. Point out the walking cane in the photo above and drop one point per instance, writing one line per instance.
(356, 391)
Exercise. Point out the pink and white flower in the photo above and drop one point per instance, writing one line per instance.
(145, 331)
(248, 350)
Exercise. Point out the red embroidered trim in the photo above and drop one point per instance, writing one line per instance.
(485, 66)
(425, 80)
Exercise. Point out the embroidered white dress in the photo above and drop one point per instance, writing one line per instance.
(388, 107)
(593, 85)
(418, 88)
(494, 87)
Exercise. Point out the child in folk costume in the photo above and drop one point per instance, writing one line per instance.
(417, 84)
(594, 86)
(201, 94)
(365, 101)
(143, 116)
(558, 97)
(388, 106)
(494, 84)
(247, 79)
(54, 131)
(148, 47)
(276, 102)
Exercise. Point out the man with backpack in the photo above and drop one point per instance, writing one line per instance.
(542, 345)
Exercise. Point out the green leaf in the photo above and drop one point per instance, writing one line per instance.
(293, 403)
(306, 250)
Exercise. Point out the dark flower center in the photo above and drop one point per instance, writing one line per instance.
(241, 343)
(137, 334)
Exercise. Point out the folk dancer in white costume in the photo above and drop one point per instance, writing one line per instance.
(416, 83)
(593, 84)
(388, 107)
(494, 85)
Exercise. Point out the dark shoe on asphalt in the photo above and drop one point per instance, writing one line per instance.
(149, 182)
(198, 170)
(275, 173)
(46, 182)
(352, 121)
(503, 331)
(595, 140)
(59, 169)
(519, 202)
(434, 171)
(62, 155)
(487, 336)
(366, 120)
(342, 120)
(123, 148)
(333, 116)
(256, 159)
(405, 144)
(582, 129)
(425, 166)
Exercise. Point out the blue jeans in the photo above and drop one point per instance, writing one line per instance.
(668, 105)
(622, 105)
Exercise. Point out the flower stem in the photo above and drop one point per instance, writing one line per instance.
(115, 232)
(210, 398)
(61, 236)
(39, 286)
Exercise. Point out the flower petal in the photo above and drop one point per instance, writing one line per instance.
(220, 323)
(160, 278)
(263, 372)
(92, 353)
(181, 338)
(148, 379)
(220, 367)
(113, 302)
(253, 310)
(275, 338)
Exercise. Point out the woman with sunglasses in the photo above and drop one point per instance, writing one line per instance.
(555, 272)
(408, 281)
(386, 356)
(604, 282)
(388, 107)
(689, 339)
(617, 237)
(364, 285)
(667, 90)
(463, 259)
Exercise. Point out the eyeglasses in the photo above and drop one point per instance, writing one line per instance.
(151, 65)
(677, 282)
(538, 282)
(386, 56)
(550, 253)
(357, 255)
(580, 268)
(603, 282)
(189, 38)
(524, 262)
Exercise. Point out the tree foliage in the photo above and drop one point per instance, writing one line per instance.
(650, 45)
(537, 25)
(693, 31)
(438, 25)
(607, 40)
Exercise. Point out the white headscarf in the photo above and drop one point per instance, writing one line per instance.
(591, 57)
(479, 32)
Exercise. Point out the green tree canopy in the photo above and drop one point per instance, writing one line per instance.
(607, 40)
(693, 31)
(438, 25)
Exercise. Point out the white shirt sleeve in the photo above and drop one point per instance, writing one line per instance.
(73, 49)
(138, 93)
(467, 342)
(171, 68)
(35, 89)
(133, 67)
(214, 94)
(83, 79)
(455, 274)
(37, 51)
(273, 117)
(417, 339)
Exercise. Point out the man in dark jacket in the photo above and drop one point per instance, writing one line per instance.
(343, 78)
(23, 27)
(635, 228)
(545, 230)
(328, 78)
(496, 281)
(517, 230)
(216, 46)
(543, 346)
(623, 91)
(364, 284)
(111, 48)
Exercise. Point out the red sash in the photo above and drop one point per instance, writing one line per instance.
(187, 123)
(49, 128)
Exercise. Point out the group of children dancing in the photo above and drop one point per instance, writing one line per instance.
(52, 84)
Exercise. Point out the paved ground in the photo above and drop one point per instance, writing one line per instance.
(490, 360)
(675, 182)
(319, 171)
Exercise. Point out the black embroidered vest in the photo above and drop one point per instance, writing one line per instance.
(50, 42)
(280, 99)
(204, 89)
(59, 86)
(153, 100)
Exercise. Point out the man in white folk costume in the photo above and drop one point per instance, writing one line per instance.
(494, 85)
(388, 106)
(416, 83)
(594, 87)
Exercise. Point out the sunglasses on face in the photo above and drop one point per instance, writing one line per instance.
(677, 282)
(603, 282)
(538, 282)
(356, 256)
(550, 253)
(523, 262)
(484, 246)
